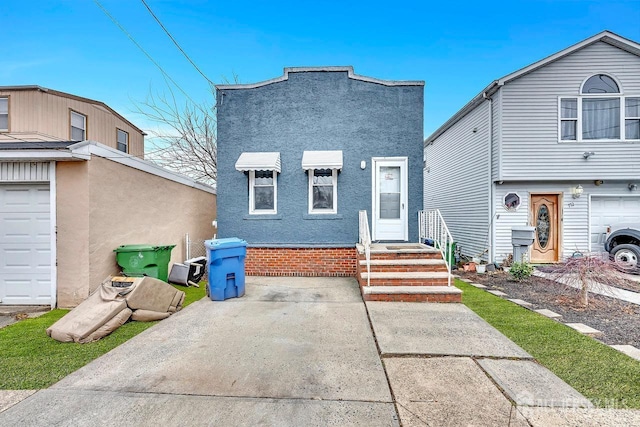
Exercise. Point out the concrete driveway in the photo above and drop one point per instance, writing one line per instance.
(302, 352)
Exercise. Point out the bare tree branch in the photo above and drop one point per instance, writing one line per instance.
(185, 140)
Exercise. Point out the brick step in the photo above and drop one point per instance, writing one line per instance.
(412, 293)
(413, 261)
(401, 255)
(401, 278)
(409, 265)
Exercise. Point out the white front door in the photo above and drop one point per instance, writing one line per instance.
(390, 198)
(25, 244)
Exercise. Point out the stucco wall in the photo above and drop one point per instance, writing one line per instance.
(315, 111)
(113, 205)
(72, 212)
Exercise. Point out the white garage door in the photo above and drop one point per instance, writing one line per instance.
(608, 211)
(25, 244)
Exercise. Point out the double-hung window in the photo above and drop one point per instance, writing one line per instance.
(600, 113)
(122, 140)
(263, 169)
(323, 191)
(263, 192)
(4, 113)
(322, 167)
(78, 126)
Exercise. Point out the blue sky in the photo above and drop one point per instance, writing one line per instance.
(456, 47)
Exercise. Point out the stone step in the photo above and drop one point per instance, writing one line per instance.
(412, 293)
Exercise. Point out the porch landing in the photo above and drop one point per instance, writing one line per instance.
(404, 272)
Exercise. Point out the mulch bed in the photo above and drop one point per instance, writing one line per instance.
(618, 320)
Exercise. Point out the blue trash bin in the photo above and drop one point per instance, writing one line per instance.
(226, 267)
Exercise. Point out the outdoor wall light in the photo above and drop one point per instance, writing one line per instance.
(633, 187)
(363, 165)
(577, 192)
(588, 154)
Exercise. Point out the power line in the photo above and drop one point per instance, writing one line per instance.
(176, 43)
(164, 73)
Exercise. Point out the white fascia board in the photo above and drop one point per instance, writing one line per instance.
(605, 36)
(348, 69)
(94, 148)
(40, 155)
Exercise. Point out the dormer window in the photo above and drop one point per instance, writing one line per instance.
(600, 113)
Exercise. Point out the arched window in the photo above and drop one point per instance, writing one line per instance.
(600, 83)
(600, 112)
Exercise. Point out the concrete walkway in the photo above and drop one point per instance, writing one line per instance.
(302, 352)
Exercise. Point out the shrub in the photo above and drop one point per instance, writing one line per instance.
(521, 270)
(587, 273)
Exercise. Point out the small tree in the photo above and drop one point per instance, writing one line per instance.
(587, 273)
(185, 140)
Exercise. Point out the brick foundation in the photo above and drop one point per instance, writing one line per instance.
(311, 262)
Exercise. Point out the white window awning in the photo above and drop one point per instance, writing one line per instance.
(259, 162)
(322, 160)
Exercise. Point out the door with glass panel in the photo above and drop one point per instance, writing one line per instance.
(544, 215)
(390, 199)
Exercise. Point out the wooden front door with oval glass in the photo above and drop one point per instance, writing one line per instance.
(544, 216)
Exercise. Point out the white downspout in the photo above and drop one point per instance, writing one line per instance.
(492, 205)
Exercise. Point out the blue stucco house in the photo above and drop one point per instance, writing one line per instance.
(300, 155)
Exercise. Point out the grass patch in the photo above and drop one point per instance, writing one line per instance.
(29, 359)
(605, 376)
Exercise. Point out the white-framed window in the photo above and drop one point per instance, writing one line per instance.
(4, 113)
(122, 140)
(263, 192)
(78, 122)
(323, 191)
(599, 113)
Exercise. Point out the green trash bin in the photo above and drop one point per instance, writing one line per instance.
(144, 260)
(450, 253)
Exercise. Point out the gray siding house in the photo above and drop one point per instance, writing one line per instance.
(554, 145)
(300, 155)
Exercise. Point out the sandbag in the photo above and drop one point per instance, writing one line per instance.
(149, 316)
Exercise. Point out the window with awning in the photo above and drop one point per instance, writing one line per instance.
(322, 167)
(263, 169)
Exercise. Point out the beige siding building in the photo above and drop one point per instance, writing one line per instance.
(34, 113)
(73, 187)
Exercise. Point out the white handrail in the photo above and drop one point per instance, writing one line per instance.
(365, 240)
(432, 227)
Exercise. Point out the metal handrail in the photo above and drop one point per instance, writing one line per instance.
(431, 226)
(365, 240)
